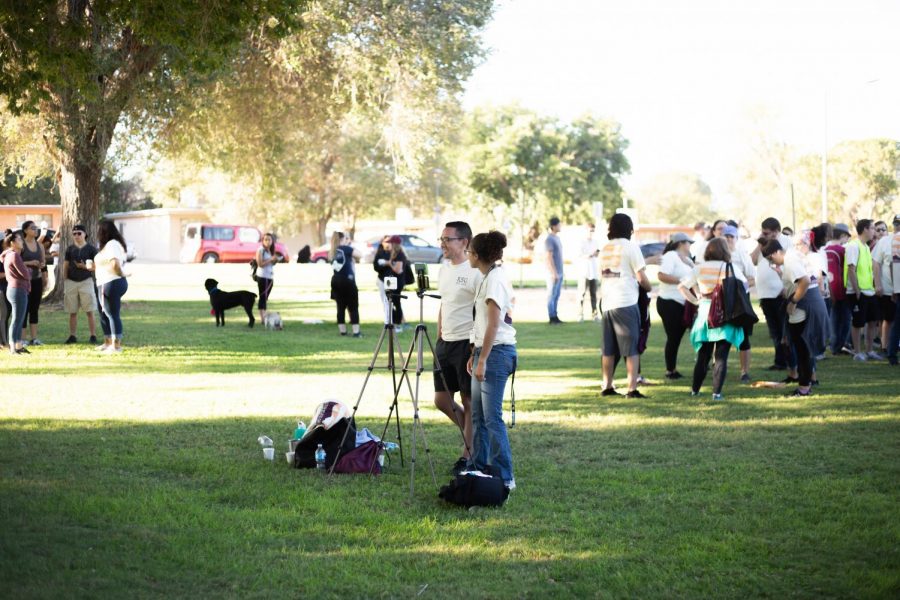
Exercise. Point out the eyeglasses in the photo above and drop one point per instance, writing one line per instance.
(77, 233)
(881, 230)
(446, 239)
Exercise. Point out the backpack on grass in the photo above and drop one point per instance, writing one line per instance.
(473, 488)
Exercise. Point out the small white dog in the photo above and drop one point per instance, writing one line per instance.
(273, 321)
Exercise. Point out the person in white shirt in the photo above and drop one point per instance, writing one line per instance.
(458, 283)
(670, 304)
(111, 284)
(588, 282)
(881, 263)
(708, 341)
(894, 338)
(716, 231)
(622, 268)
(742, 262)
(768, 289)
(493, 360)
(806, 315)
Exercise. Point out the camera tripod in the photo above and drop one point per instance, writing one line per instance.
(417, 345)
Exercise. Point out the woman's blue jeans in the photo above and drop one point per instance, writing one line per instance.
(111, 307)
(490, 441)
(18, 299)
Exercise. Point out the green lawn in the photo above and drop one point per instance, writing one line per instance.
(139, 475)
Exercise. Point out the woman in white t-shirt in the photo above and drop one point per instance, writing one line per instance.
(111, 284)
(744, 265)
(493, 359)
(676, 265)
(807, 318)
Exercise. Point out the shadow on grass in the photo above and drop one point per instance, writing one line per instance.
(111, 508)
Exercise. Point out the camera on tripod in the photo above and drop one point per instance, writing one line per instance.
(390, 284)
(422, 283)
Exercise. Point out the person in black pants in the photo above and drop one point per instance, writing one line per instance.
(343, 282)
(676, 265)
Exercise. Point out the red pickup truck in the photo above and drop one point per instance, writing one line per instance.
(211, 243)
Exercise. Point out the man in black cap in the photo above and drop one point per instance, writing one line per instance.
(78, 289)
(553, 246)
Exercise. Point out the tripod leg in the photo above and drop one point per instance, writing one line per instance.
(361, 392)
(395, 408)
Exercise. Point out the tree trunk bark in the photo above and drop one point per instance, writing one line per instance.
(79, 189)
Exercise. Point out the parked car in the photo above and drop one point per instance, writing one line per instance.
(417, 249)
(211, 243)
(651, 249)
(320, 254)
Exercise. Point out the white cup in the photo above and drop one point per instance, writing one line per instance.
(88, 264)
(269, 453)
(289, 457)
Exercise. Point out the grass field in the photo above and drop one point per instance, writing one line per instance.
(139, 475)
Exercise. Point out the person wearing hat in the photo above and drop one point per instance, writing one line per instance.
(553, 247)
(894, 337)
(882, 259)
(840, 306)
(741, 261)
(670, 304)
(78, 283)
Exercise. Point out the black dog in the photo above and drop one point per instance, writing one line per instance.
(222, 301)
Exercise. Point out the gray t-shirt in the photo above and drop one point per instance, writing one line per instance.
(554, 249)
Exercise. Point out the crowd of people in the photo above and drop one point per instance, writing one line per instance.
(93, 280)
(822, 288)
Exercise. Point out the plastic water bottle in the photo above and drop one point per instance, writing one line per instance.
(265, 441)
(301, 429)
(320, 458)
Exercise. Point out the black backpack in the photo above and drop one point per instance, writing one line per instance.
(469, 489)
(305, 451)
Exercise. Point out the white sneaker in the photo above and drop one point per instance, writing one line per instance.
(874, 356)
(35, 342)
(111, 350)
(860, 357)
(510, 485)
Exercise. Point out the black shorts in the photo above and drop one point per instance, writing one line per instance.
(887, 308)
(748, 333)
(863, 310)
(453, 358)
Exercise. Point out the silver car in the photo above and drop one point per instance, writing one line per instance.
(417, 249)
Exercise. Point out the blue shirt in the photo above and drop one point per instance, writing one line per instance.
(554, 249)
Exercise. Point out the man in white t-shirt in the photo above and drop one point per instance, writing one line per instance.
(458, 284)
(882, 261)
(622, 269)
(769, 288)
(588, 281)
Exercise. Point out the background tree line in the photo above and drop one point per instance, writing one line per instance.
(286, 112)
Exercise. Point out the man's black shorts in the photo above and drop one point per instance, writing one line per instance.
(887, 308)
(864, 310)
(453, 358)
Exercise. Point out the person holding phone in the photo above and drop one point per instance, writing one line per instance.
(78, 283)
(35, 259)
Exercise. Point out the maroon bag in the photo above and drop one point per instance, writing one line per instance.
(362, 459)
(689, 315)
(716, 316)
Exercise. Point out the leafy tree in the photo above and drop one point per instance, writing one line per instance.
(83, 67)
(539, 166)
(680, 198)
(345, 114)
(15, 190)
